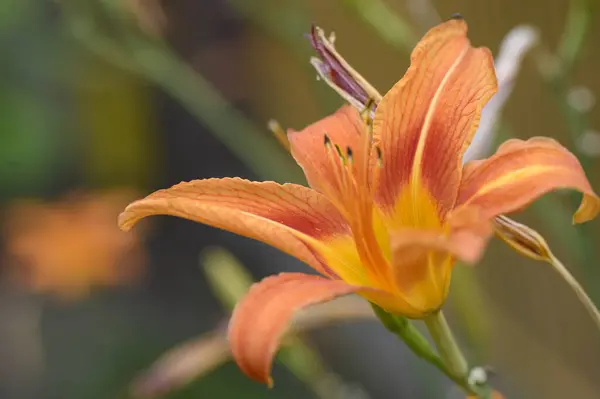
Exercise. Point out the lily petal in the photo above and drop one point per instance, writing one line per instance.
(522, 171)
(427, 120)
(343, 129)
(284, 216)
(423, 259)
(260, 319)
(469, 233)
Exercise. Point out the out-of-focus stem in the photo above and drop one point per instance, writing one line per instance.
(557, 69)
(389, 25)
(158, 64)
(579, 20)
(306, 364)
(230, 281)
(201, 98)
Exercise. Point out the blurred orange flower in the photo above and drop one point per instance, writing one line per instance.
(67, 247)
(391, 206)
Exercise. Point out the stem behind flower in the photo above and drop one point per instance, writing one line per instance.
(444, 339)
(449, 363)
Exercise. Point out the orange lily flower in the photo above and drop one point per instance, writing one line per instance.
(391, 206)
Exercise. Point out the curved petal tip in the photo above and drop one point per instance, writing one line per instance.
(260, 319)
(588, 210)
(522, 171)
(126, 221)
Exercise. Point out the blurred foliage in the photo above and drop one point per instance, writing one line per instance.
(201, 356)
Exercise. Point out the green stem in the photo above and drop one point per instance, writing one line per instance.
(583, 297)
(402, 327)
(446, 344)
(405, 330)
(452, 355)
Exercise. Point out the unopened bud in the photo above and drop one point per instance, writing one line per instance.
(530, 243)
(339, 75)
(522, 238)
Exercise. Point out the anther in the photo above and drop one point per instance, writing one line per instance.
(326, 140)
(379, 156)
(457, 16)
(340, 153)
(349, 154)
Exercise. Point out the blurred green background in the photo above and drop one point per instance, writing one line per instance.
(104, 101)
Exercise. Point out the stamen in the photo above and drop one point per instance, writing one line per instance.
(340, 154)
(349, 154)
(376, 171)
(336, 187)
(353, 191)
(279, 134)
(365, 114)
(379, 157)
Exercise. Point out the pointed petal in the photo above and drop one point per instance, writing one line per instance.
(260, 319)
(522, 171)
(426, 121)
(284, 216)
(344, 128)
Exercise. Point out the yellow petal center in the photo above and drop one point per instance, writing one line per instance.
(418, 278)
